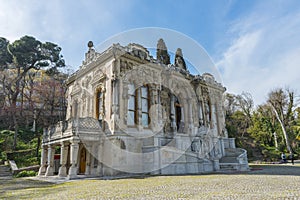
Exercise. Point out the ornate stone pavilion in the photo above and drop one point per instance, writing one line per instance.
(129, 113)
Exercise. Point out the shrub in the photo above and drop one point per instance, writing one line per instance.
(271, 154)
(26, 174)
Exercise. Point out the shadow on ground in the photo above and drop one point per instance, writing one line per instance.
(275, 169)
(20, 184)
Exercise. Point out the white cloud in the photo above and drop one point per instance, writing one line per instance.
(70, 24)
(264, 55)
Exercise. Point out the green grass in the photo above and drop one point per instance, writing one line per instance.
(262, 183)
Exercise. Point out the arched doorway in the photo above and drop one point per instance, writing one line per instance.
(82, 161)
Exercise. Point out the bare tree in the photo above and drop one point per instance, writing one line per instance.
(245, 103)
(282, 103)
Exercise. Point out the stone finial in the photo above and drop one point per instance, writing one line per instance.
(179, 61)
(161, 44)
(179, 52)
(90, 44)
(162, 54)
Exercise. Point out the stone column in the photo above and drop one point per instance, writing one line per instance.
(125, 99)
(216, 165)
(50, 168)
(73, 159)
(201, 121)
(44, 158)
(190, 115)
(63, 160)
(153, 111)
(214, 119)
(173, 122)
(100, 158)
(115, 95)
(88, 159)
(94, 159)
(139, 109)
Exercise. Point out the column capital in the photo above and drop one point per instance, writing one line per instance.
(74, 141)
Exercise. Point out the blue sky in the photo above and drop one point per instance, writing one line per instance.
(254, 44)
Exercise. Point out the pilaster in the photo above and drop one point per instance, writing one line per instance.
(88, 159)
(50, 168)
(63, 160)
(44, 158)
(173, 122)
(73, 158)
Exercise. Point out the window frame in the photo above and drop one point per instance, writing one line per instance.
(138, 106)
(98, 100)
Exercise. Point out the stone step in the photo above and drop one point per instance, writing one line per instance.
(5, 171)
(227, 167)
(228, 159)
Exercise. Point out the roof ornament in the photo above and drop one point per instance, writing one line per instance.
(162, 54)
(179, 61)
(90, 44)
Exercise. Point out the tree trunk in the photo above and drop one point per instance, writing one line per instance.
(38, 145)
(16, 130)
(283, 130)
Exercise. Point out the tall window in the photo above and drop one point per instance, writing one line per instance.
(144, 105)
(132, 108)
(99, 105)
(138, 100)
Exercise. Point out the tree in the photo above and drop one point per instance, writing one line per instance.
(246, 104)
(17, 59)
(282, 103)
(6, 58)
(263, 125)
(238, 109)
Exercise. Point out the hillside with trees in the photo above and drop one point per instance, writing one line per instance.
(32, 95)
(267, 129)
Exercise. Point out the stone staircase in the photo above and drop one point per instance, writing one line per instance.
(5, 172)
(235, 159)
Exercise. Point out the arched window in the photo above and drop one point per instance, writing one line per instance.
(138, 100)
(99, 105)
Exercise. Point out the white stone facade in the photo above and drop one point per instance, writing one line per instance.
(129, 113)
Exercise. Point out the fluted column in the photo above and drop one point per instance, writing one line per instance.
(63, 160)
(173, 122)
(73, 159)
(50, 168)
(44, 158)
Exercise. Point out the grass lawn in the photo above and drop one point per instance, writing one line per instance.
(264, 182)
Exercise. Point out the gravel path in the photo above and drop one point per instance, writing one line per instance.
(262, 182)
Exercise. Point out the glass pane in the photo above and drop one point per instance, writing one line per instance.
(131, 103)
(100, 105)
(144, 92)
(130, 118)
(100, 95)
(131, 89)
(145, 119)
(144, 105)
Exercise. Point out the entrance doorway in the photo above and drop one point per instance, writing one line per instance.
(82, 163)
